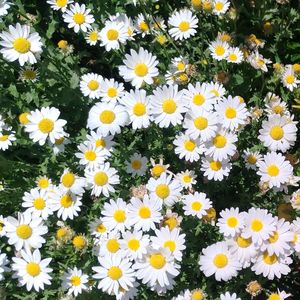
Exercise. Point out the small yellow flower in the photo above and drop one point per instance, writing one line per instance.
(23, 118)
(296, 68)
(79, 242)
(161, 39)
(62, 44)
(196, 4)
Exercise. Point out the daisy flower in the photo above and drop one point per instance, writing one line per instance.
(59, 144)
(167, 106)
(215, 169)
(72, 182)
(259, 225)
(187, 178)
(165, 189)
(137, 104)
(108, 117)
(144, 214)
(257, 61)
(4, 6)
(36, 202)
(278, 133)
(201, 123)
(74, 281)
(157, 266)
(274, 169)
(279, 295)
(158, 168)
(139, 67)
(227, 295)
(188, 148)
(111, 90)
(112, 35)
(97, 228)
(2, 226)
(183, 24)
(220, 7)
(3, 262)
(6, 140)
(137, 165)
(231, 112)
(109, 244)
(19, 44)
(271, 266)
(217, 260)
(231, 222)
(219, 50)
(115, 215)
(277, 107)
(114, 272)
(196, 204)
(92, 36)
(170, 239)
(102, 179)
(44, 123)
(90, 85)
(31, 270)
(105, 144)
(142, 25)
(44, 183)
(251, 158)
(216, 89)
(26, 231)
(78, 17)
(29, 74)
(128, 24)
(289, 79)
(234, 55)
(59, 4)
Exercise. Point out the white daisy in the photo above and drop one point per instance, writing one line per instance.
(72, 182)
(111, 90)
(251, 158)
(98, 229)
(2, 226)
(258, 62)
(234, 55)
(90, 85)
(59, 144)
(128, 23)
(3, 265)
(289, 79)
(4, 6)
(74, 281)
(106, 143)
(59, 4)
(216, 89)
(215, 169)
(6, 140)
(219, 49)
(109, 244)
(220, 7)
(279, 295)
(92, 36)
(19, 44)
(137, 165)
(187, 178)
(44, 183)
(142, 25)
(227, 295)
(196, 204)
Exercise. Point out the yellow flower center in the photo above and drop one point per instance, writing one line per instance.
(198, 99)
(21, 45)
(24, 231)
(232, 222)
(197, 295)
(100, 178)
(61, 3)
(79, 18)
(133, 244)
(180, 66)
(230, 113)
(113, 245)
(186, 179)
(276, 133)
(112, 92)
(290, 79)
(162, 191)
(61, 232)
(274, 237)
(93, 36)
(43, 183)
(107, 117)
(68, 179)
(101, 228)
(79, 242)
(144, 212)
(3, 138)
(39, 203)
(171, 223)
(100, 143)
(220, 50)
(196, 3)
(23, 118)
(219, 6)
(274, 297)
(169, 106)
(90, 155)
(141, 70)
(219, 141)
(251, 159)
(136, 164)
(29, 74)
(143, 26)
(171, 245)
(120, 215)
(59, 141)
(243, 243)
(184, 26)
(201, 123)
(114, 273)
(269, 260)
(277, 109)
(75, 280)
(62, 44)
(93, 85)
(196, 205)
(215, 165)
(66, 201)
(33, 269)
(257, 225)
(46, 125)
(157, 261)
(220, 261)
(139, 109)
(232, 57)
(189, 145)
(112, 34)
(272, 170)
(157, 170)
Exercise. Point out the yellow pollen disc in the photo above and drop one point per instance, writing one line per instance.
(66, 201)
(143, 26)
(59, 141)
(215, 92)
(232, 222)
(79, 242)
(29, 74)
(39, 203)
(157, 261)
(162, 191)
(201, 123)
(79, 18)
(189, 145)
(100, 178)
(184, 26)
(276, 133)
(290, 79)
(114, 273)
(112, 34)
(207, 5)
(62, 44)
(198, 99)
(219, 141)
(139, 109)
(46, 125)
(215, 165)
(186, 179)
(113, 245)
(230, 113)
(169, 106)
(120, 215)
(277, 109)
(107, 116)
(90, 155)
(274, 297)
(219, 6)
(196, 3)
(274, 237)
(232, 57)
(252, 159)
(68, 179)
(180, 66)
(144, 212)
(197, 295)
(3, 138)
(43, 183)
(93, 36)
(171, 223)
(272, 170)
(220, 50)
(257, 225)
(61, 3)
(269, 260)
(75, 280)
(93, 85)
(141, 70)
(196, 205)
(23, 118)
(101, 228)
(33, 269)
(112, 92)
(171, 245)
(24, 231)
(61, 232)
(100, 143)
(136, 164)
(243, 243)
(133, 244)
(220, 261)
(21, 45)
(157, 170)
